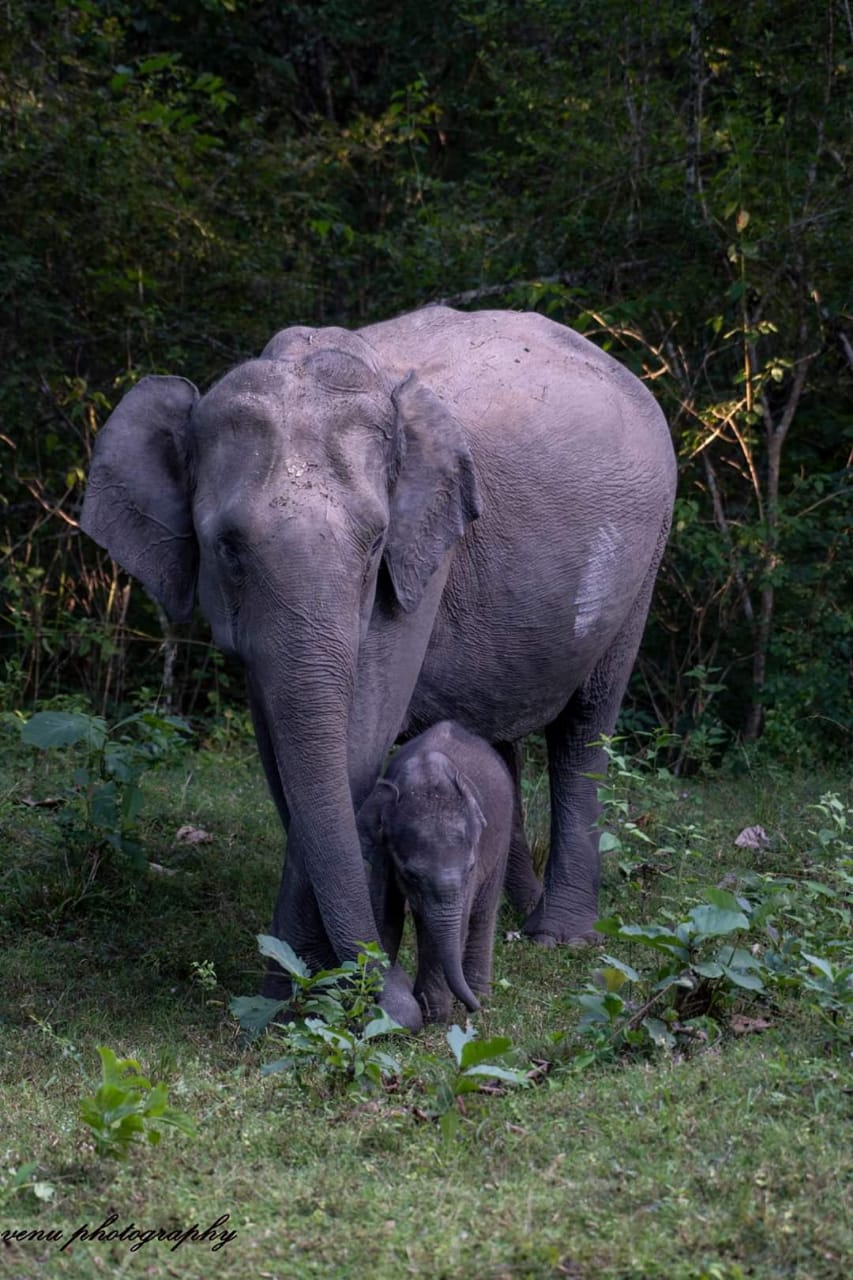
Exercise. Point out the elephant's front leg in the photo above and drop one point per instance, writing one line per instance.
(480, 943)
(297, 917)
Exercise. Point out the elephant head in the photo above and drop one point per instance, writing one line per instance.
(277, 498)
(423, 830)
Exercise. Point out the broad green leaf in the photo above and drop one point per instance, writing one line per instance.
(593, 1007)
(390, 1066)
(283, 954)
(659, 1033)
(457, 1039)
(104, 806)
(740, 977)
(382, 1026)
(131, 805)
(474, 1051)
(713, 922)
(614, 1004)
(608, 842)
(709, 969)
(124, 1072)
(819, 963)
(611, 926)
(280, 1064)
(653, 935)
(49, 729)
(179, 1120)
(466, 1083)
(507, 1074)
(738, 958)
(723, 899)
(157, 1100)
(631, 974)
(448, 1123)
(255, 1013)
(118, 762)
(610, 978)
(674, 980)
(823, 889)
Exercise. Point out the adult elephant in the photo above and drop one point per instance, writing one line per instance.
(445, 515)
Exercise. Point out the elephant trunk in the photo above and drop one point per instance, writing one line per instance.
(448, 948)
(323, 909)
(306, 713)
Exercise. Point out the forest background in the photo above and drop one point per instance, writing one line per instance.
(670, 177)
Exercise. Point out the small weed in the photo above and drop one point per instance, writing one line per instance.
(127, 1108)
(204, 975)
(15, 1182)
(480, 1065)
(336, 1018)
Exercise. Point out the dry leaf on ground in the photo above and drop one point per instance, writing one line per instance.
(193, 835)
(752, 838)
(743, 1026)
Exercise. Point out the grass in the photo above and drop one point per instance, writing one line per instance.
(727, 1163)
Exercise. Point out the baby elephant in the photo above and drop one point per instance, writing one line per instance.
(436, 831)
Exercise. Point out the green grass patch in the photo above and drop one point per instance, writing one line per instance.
(722, 1158)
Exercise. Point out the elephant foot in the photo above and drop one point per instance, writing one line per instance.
(433, 1010)
(573, 932)
(524, 894)
(574, 941)
(398, 1002)
(546, 940)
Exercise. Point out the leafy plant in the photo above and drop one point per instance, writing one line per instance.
(636, 792)
(105, 797)
(829, 986)
(835, 835)
(24, 1178)
(127, 1108)
(479, 1065)
(204, 974)
(336, 1017)
(695, 980)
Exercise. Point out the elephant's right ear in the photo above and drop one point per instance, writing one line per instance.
(137, 502)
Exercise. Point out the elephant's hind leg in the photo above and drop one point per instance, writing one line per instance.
(522, 885)
(568, 908)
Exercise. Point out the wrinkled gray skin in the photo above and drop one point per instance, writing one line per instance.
(444, 515)
(435, 832)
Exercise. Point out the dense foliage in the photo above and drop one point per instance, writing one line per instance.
(180, 180)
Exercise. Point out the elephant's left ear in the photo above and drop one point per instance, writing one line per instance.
(435, 496)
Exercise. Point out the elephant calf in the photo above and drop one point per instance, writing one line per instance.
(436, 832)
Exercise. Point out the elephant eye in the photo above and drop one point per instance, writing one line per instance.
(228, 554)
